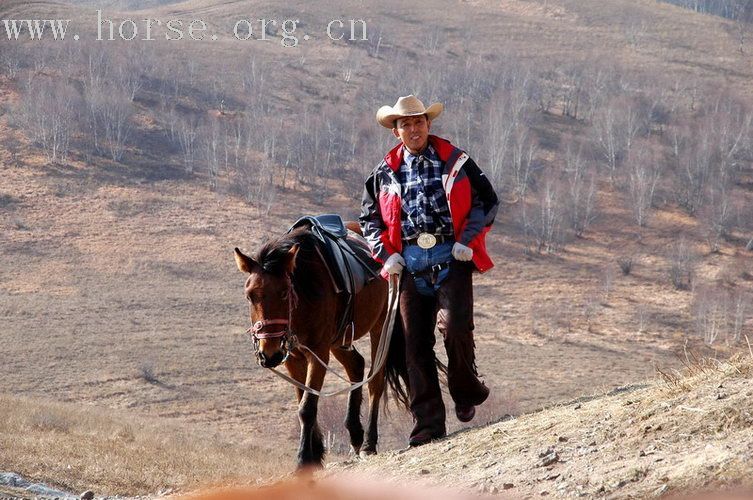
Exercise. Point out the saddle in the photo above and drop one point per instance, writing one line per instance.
(347, 258)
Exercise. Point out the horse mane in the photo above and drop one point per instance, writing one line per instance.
(306, 278)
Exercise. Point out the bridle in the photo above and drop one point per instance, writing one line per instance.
(289, 340)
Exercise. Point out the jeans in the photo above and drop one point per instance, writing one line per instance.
(418, 259)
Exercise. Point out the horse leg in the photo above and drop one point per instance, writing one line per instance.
(296, 366)
(353, 363)
(311, 445)
(376, 389)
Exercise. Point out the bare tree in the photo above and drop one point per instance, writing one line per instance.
(433, 39)
(256, 182)
(721, 213)
(10, 59)
(48, 113)
(643, 317)
(211, 150)
(254, 81)
(97, 61)
(740, 304)
(128, 77)
(693, 156)
(572, 90)
(114, 111)
(729, 124)
(682, 265)
(524, 147)
(543, 221)
(545, 91)
(581, 190)
(607, 283)
(643, 175)
(187, 132)
(597, 88)
(350, 65)
(616, 127)
(607, 139)
(741, 27)
(171, 117)
(498, 141)
(710, 306)
(376, 40)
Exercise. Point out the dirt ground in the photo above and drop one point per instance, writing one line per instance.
(684, 434)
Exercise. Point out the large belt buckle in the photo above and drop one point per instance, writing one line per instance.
(426, 240)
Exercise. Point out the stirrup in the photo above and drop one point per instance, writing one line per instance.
(348, 346)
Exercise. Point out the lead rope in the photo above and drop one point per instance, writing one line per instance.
(379, 359)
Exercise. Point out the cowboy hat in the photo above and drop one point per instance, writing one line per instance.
(406, 106)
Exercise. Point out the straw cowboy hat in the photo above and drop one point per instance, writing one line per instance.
(407, 106)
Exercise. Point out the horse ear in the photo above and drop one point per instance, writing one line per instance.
(245, 264)
(290, 260)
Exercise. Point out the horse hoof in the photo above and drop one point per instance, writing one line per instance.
(307, 470)
(367, 453)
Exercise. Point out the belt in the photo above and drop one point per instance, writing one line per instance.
(439, 238)
(431, 273)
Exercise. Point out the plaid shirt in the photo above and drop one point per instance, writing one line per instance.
(424, 203)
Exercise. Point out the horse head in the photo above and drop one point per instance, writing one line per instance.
(271, 298)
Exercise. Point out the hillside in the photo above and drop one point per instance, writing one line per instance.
(118, 290)
(684, 434)
(74, 448)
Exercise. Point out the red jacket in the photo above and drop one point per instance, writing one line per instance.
(471, 198)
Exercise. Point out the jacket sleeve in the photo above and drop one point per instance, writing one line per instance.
(370, 219)
(484, 202)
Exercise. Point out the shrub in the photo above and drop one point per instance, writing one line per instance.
(682, 266)
(626, 265)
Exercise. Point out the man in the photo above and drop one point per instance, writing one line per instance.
(427, 208)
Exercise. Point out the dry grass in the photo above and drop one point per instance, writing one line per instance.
(80, 447)
(636, 442)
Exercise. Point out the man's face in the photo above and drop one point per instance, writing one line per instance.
(413, 131)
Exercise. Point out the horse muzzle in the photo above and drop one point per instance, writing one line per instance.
(271, 362)
(287, 342)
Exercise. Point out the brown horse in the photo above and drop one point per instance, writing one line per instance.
(292, 303)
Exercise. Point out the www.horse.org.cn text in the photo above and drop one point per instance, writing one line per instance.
(284, 31)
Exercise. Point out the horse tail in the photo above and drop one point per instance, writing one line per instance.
(396, 369)
(442, 368)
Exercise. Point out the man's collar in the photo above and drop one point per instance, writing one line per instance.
(444, 150)
(428, 152)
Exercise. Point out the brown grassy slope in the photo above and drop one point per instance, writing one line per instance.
(681, 434)
(646, 36)
(108, 269)
(80, 447)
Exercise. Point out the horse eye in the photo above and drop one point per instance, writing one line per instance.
(284, 295)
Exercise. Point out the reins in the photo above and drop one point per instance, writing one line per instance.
(379, 359)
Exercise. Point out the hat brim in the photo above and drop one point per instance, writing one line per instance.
(386, 115)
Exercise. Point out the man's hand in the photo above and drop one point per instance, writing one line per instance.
(462, 252)
(395, 263)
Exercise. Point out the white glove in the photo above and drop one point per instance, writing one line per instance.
(395, 263)
(461, 252)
